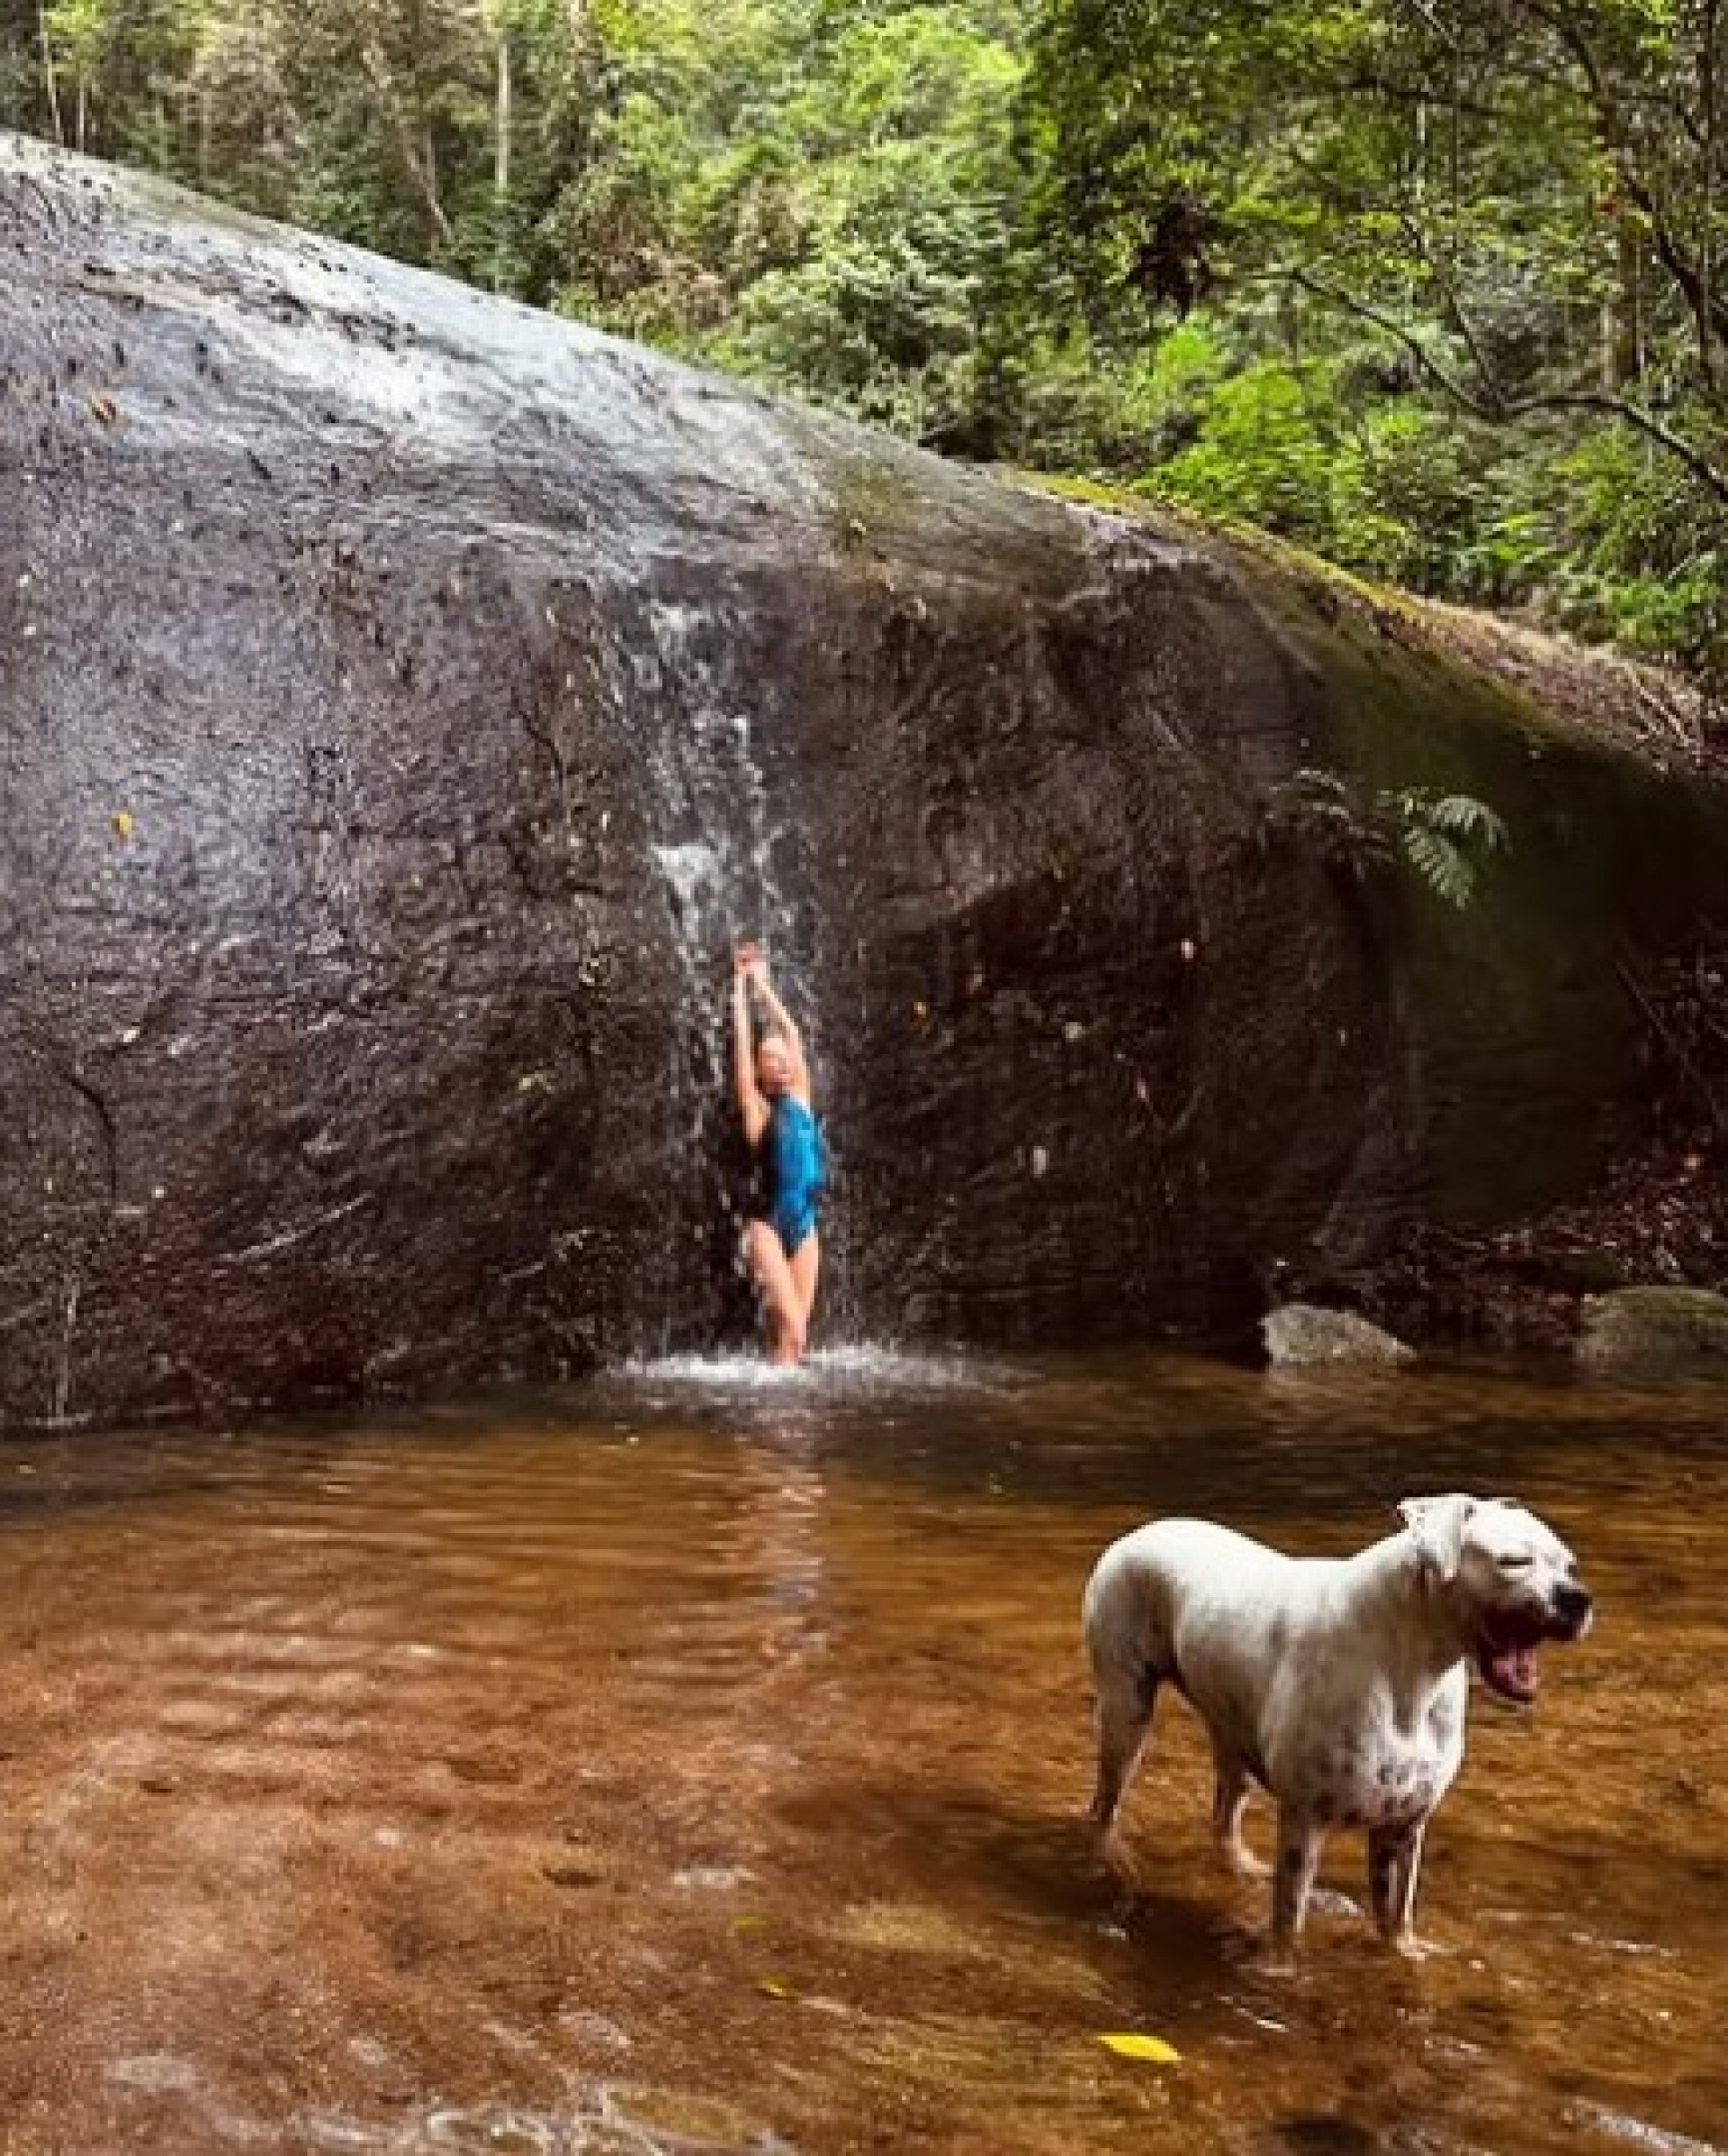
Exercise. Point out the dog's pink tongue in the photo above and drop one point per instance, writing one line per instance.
(1519, 1668)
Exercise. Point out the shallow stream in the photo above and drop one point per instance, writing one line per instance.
(693, 1763)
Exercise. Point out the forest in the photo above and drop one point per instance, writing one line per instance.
(1435, 289)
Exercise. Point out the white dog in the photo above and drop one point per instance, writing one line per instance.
(1339, 1685)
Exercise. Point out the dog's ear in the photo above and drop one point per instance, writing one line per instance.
(1437, 1526)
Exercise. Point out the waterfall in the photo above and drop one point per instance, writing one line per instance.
(718, 838)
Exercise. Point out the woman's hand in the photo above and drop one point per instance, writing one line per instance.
(749, 964)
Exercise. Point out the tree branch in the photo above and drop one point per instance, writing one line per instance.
(1491, 407)
(1455, 305)
(420, 168)
(1495, 407)
(1709, 311)
(1708, 474)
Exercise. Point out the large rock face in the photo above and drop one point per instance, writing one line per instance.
(407, 696)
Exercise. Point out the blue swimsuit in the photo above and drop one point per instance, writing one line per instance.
(790, 1168)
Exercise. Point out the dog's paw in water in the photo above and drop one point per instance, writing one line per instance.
(1114, 1858)
(1267, 1956)
(1409, 1947)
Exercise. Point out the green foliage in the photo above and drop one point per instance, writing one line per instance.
(1458, 249)
(1435, 290)
(812, 196)
(1444, 838)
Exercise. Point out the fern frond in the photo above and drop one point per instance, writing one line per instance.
(1442, 864)
(1463, 815)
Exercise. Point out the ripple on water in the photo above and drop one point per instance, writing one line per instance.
(603, 2122)
(855, 1373)
(469, 1760)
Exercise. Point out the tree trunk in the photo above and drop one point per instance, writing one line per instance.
(1622, 315)
(502, 163)
(1710, 88)
(51, 79)
(418, 157)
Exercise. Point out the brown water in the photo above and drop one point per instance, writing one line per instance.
(694, 1763)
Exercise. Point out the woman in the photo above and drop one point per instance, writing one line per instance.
(772, 1082)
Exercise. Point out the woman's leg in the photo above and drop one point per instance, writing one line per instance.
(779, 1291)
(805, 1262)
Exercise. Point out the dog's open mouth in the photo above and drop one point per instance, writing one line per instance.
(1507, 1653)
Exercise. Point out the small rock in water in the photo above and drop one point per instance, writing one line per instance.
(582, 2024)
(1302, 1336)
(712, 1878)
(1655, 1328)
(573, 1875)
(159, 2071)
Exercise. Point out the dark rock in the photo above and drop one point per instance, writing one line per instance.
(1657, 1329)
(1300, 1336)
(406, 698)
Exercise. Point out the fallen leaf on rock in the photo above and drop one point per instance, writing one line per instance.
(1151, 2051)
(124, 823)
(774, 1986)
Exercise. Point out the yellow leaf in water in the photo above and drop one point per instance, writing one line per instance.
(774, 1986)
(122, 823)
(750, 1923)
(1152, 2050)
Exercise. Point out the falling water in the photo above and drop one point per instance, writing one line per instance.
(717, 838)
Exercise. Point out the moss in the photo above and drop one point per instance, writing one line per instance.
(1252, 546)
(1656, 1328)
(1518, 996)
(1090, 493)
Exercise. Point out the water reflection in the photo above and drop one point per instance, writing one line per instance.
(693, 1763)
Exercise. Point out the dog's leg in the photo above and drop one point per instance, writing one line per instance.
(1230, 1801)
(1126, 1700)
(1394, 1867)
(1300, 1837)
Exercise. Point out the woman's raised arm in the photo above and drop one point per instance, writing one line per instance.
(781, 1020)
(751, 1106)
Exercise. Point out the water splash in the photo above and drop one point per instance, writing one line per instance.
(829, 1373)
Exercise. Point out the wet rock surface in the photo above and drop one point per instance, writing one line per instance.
(1298, 1336)
(1656, 1328)
(405, 698)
